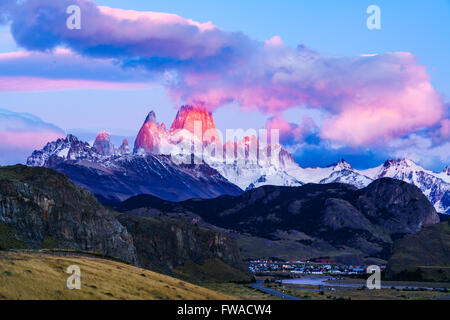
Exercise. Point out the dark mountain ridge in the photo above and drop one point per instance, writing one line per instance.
(42, 209)
(46, 210)
(365, 221)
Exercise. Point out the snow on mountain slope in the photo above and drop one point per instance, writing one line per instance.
(69, 148)
(245, 162)
(103, 145)
(152, 137)
(348, 176)
(445, 174)
(434, 185)
(117, 177)
(250, 174)
(316, 174)
(274, 178)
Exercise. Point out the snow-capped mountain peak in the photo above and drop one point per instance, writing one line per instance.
(103, 144)
(241, 166)
(445, 174)
(189, 116)
(434, 185)
(341, 165)
(152, 137)
(400, 168)
(124, 148)
(68, 149)
(151, 117)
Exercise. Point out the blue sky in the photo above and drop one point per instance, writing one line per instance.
(335, 28)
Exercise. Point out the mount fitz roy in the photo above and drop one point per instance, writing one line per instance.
(117, 173)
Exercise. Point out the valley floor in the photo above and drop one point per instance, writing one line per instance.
(38, 276)
(354, 289)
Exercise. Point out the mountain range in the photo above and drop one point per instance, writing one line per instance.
(153, 166)
(315, 220)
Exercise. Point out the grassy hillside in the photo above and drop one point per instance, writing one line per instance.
(212, 270)
(178, 248)
(43, 276)
(423, 256)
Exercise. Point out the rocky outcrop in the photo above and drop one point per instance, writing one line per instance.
(165, 244)
(397, 206)
(67, 149)
(47, 210)
(152, 137)
(446, 171)
(103, 145)
(124, 148)
(189, 116)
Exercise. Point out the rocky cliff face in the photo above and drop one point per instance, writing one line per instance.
(397, 206)
(165, 244)
(47, 210)
(187, 118)
(152, 137)
(103, 145)
(124, 148)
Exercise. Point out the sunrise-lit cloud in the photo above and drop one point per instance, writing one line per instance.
(368, 99)
(63, 69)
(22, 133)
(9, 84)
(291, 133)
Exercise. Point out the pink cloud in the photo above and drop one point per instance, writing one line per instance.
(109, 31)
(28, 140)
(387, 115)
(445, 128)
(43, 84)
(22, 133)
(62, 69)
(441, 133)
(291, 133)
(369, 98)
(275, 41)
(157, 17)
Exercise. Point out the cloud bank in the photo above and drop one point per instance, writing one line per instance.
(64, 69)
(368, 99)
(21, 134)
